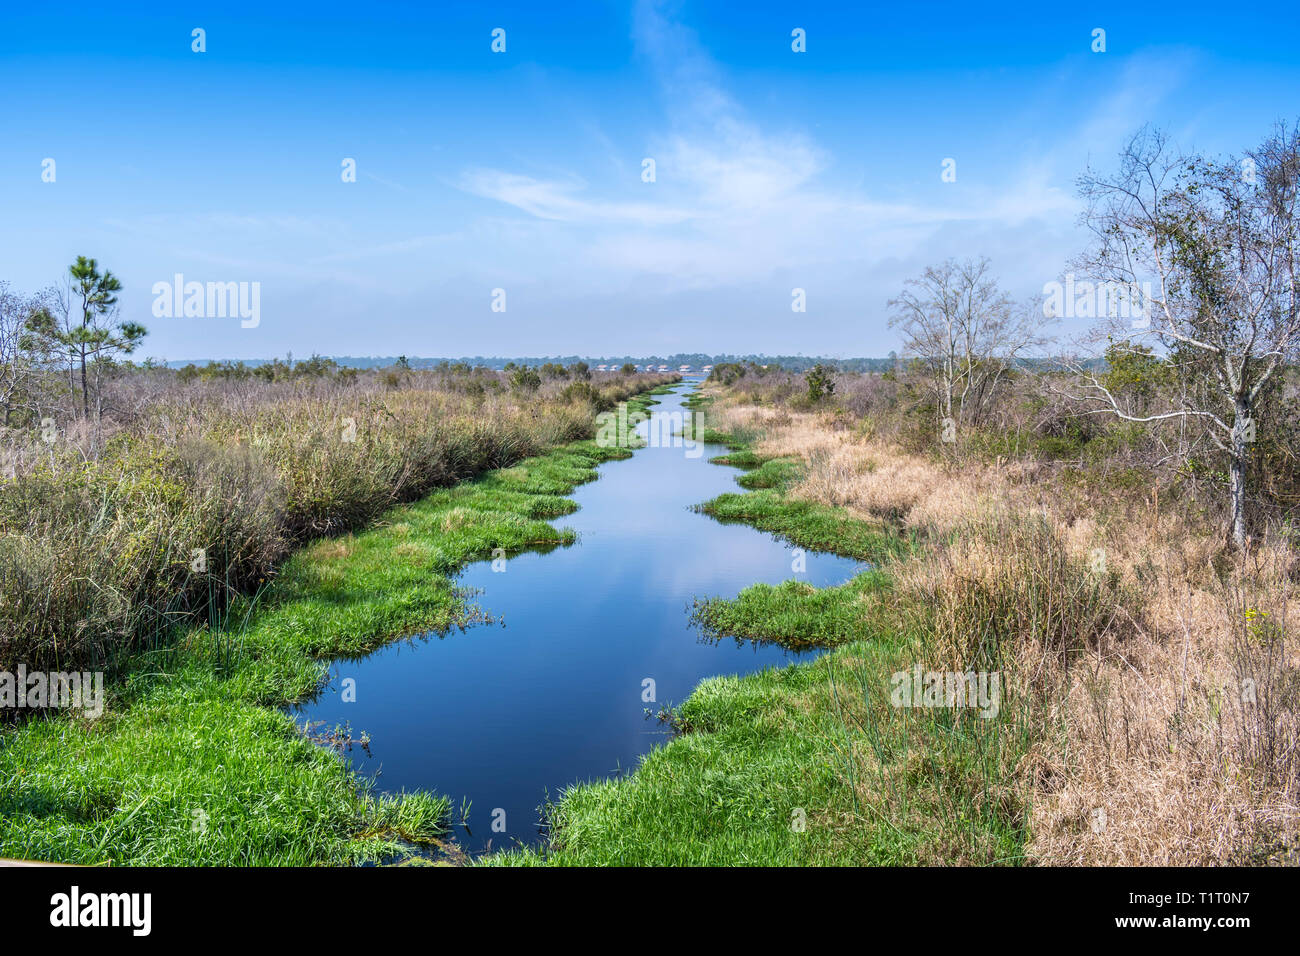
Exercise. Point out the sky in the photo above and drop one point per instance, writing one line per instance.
(523, 170)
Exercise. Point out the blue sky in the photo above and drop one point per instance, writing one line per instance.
(522, 170)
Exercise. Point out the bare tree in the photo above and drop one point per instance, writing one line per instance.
(21, 356)
(966, 331)
(13, 319)
(1209, 248)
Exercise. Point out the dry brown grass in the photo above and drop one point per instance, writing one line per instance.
(1181, 746)
(869, 477)
(1170, 736)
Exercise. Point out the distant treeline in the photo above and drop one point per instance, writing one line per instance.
(795, 363)
(791, 363)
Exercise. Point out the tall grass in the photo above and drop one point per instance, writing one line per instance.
(1003, 588)
(197, 491)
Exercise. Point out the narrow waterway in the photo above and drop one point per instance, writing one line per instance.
(556, 692)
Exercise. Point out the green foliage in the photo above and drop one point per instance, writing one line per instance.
(583, 391)
(1134, 374)
(525, 380)
(196, 731)
(820, 383)
(728, 373)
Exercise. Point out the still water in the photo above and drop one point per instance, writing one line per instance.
(504, 715)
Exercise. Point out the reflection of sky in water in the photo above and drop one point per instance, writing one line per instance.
(504, 714)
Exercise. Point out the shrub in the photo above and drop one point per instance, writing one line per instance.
(820, 383)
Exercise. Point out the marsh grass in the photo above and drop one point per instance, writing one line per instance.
(98, 541)
(795, 614)
(807, 524)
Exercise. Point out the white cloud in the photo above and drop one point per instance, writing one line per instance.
(734, 203)
(557, 201)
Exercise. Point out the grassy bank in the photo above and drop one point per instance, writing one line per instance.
(194, 760)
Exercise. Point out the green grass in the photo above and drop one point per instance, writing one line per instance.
(646, 399)
(715, 437)
(795, 614)
(739, 459)
(195, 762)
(776, 473)
(191, 776)
(807, 524)
(697, 399)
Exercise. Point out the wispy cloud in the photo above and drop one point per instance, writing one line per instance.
(559, 201)
(384, 182)
(735, 199)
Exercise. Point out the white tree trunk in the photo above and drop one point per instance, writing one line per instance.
(1242, 435)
